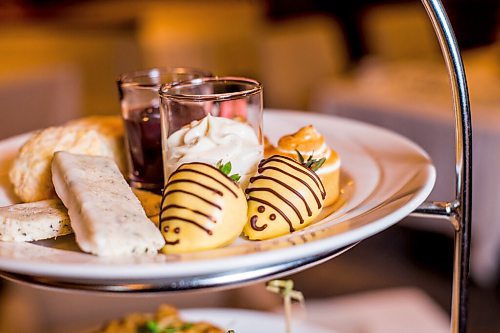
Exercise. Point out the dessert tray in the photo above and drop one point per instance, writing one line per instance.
(384, 177)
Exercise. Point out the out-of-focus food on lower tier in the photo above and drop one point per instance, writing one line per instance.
(166, 320)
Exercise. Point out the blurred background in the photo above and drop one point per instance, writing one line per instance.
(376, 61)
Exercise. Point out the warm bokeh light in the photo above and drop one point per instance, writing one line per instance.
(375, 61)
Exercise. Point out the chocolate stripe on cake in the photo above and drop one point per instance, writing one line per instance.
(185, 169)
(194, 195)
(318, 202)
(265, 202)
(170, 218)
(314, 177)
(282, 198)
(179, 181)
(211, 218)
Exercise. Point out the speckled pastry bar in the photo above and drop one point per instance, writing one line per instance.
(106, 216)
(34, 221)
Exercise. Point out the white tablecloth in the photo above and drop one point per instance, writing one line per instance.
(414, 99)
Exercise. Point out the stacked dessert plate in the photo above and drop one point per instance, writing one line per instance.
(384, 177)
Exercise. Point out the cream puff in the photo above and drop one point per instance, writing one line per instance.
(284, 196)
(202, 208)
(312, 146)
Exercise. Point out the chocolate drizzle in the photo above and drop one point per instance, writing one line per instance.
(211, 218)
(297, 193)
(170, 218)
(179, 181)
(288, 202)
(265, 202)
(182, 168)
(253, 224)
(194, 195)
(311, 174)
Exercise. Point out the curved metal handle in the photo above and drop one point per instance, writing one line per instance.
(458, 211)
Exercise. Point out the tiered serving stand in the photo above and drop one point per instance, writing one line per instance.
(457, 212)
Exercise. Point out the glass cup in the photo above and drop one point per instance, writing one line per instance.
(140, 103)
(213, 120)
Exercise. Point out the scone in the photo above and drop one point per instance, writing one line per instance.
(30, 172)
(111, 128)
(309, 142)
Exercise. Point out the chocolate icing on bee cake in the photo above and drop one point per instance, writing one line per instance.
(283, 197)
(309, 143)
(202, 208)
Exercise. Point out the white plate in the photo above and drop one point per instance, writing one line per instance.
(384, 177)
(246, 321)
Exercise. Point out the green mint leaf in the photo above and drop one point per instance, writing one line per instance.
(152, 327)
(310, 157)
(187, 326)
(170, 330)
(299, 155)
(236, 177)
(219, 164)
(226, 168)
(318, 164)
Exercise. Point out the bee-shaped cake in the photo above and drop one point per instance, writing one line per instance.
(309, 142)
(202, 208)
(283, 197)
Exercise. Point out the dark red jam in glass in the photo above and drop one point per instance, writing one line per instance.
(143, 136)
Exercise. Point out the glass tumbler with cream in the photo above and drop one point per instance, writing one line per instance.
(215, 121)
(140, 106)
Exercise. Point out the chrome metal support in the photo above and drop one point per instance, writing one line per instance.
(458, 211)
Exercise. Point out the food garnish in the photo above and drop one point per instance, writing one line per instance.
(311, 163)
(153, 326)
(284, 288)
(226, 168)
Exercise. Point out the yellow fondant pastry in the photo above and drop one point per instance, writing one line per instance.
(308, 141)
(202, 209)
(283, 197)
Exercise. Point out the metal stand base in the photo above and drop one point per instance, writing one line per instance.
(458, 212)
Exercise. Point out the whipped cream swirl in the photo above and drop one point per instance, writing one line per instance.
(212, 139)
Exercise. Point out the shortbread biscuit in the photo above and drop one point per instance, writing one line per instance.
(34, 221)
(30, 172)
(106, 216)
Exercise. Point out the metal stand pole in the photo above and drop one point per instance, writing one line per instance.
(457, 212)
